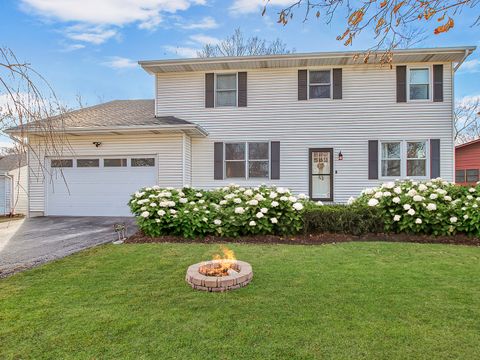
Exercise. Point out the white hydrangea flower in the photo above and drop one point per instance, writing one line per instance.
(292, 199)
(143, 208)
(453, 219)
(237, 200)
(259, 197)
(181, 194)
(195, 209)
(198, 194)
(418, 221)
(469, 197)
(433, 196)
(201, 201)
(186, 211)
(407, 207)
(183, 200)
(264, 210)
(145, 214)
(448, 198)
(192, 202)
(465, 216)
(475, 206)
(259, 215)
(273, 195)
(239, 210)
(204, 219)
(161, 212)
(411, 212)
(387, 194)
(418, 198)
(396, 200)
(252, 223)
(281, 190)
(431, 207)
(319, 203)
(217, 222)
(378, 195)
(412, 192)
(302, 196)
(297, 206)
(397, 190)
(368, 191)
(274, 220)
(441, 191)
(397, 218)
(248, 192)
(157, 220)
(472, 190)
(153, 204)
(372, 202)
(422, 187)
(223, 202)
(173, 211)
(275, 203)
(351, 200)
(389, 185)
(252, 202)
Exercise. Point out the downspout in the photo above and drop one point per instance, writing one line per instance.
(6, 176)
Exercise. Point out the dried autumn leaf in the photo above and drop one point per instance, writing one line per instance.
(318, 14)
(349, 41)
(397, 7)
(380, 23)
(356, 17)
(383, 4)
(442, 17)
(343, 36)
(445, 27)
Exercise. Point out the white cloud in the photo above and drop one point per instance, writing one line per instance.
(5, 142)
(468, 100)
(95, 35)
(471, 66)
(204, 39)
(186, 52)
(206, 23)
(100, 19)
(73, 47)
(118, 62)
(250, 6)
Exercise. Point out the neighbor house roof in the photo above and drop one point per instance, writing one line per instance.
(117, 115)
(468, 143)
(13, 161)
(450, 54)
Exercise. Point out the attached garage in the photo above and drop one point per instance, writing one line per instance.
(97, 186)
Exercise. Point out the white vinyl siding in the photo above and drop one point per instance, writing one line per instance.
(368, 111)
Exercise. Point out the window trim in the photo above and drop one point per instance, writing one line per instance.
(48, 160)
(430, 82)
(331, 84)
(215, 90)
(403, 159)
(247, 159)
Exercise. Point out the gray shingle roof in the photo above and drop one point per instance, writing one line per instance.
(117, 113)
(11, 162)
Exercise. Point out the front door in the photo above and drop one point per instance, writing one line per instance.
(321, 174)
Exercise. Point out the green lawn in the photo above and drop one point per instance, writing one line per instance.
(345, 301)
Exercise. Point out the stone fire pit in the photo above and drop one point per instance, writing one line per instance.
(234, 276)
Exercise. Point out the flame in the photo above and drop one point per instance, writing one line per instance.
(223, 263)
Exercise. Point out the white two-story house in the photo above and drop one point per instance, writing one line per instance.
(322, 124)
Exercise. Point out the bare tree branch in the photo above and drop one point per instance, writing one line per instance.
(467, 120)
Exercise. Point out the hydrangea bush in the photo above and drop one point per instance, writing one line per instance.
(230, 211)
(434, 207)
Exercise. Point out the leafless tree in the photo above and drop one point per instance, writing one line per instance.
(467, 120)
(26, 98)
(237, 45)
(394, 23)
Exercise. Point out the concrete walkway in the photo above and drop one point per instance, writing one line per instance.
(30, 242)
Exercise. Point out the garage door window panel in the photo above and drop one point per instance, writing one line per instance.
(114, 162)
(88, 163)
(143, 162)
(61, 163)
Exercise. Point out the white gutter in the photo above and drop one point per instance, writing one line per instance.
(467, 54)
(201, 130)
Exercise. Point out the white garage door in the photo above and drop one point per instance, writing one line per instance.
(97, 186)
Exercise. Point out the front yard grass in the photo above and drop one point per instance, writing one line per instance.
(344, 301)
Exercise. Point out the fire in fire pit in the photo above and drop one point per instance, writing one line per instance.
(220, 274)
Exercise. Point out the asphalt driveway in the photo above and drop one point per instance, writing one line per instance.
(30, 242)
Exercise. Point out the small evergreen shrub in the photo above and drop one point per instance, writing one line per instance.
(344, 219)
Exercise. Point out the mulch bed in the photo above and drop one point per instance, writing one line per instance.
(312, 239)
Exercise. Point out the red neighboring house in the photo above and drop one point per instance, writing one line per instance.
(467, 162)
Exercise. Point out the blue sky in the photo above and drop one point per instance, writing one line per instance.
(90, 47)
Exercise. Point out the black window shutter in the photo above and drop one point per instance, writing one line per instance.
(438, 83)
(242, 89)
(275, 160)
(337, 83)
(218, 161)
(434, 158)
(302, 84)
(401, 83)
(372, 159)
(209, 90)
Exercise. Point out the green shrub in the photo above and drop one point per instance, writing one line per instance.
(434, 207)
(354, 220)
(231, 211)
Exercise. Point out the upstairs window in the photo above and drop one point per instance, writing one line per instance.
(226, 90)
(319, 84)
(419, 84)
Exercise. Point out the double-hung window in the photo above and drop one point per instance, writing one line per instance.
(419, 83)
(226, 90)
(404, 159)
(247, 160)
(319, 84)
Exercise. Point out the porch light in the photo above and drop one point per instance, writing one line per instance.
(340, 156)
(97, 143)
